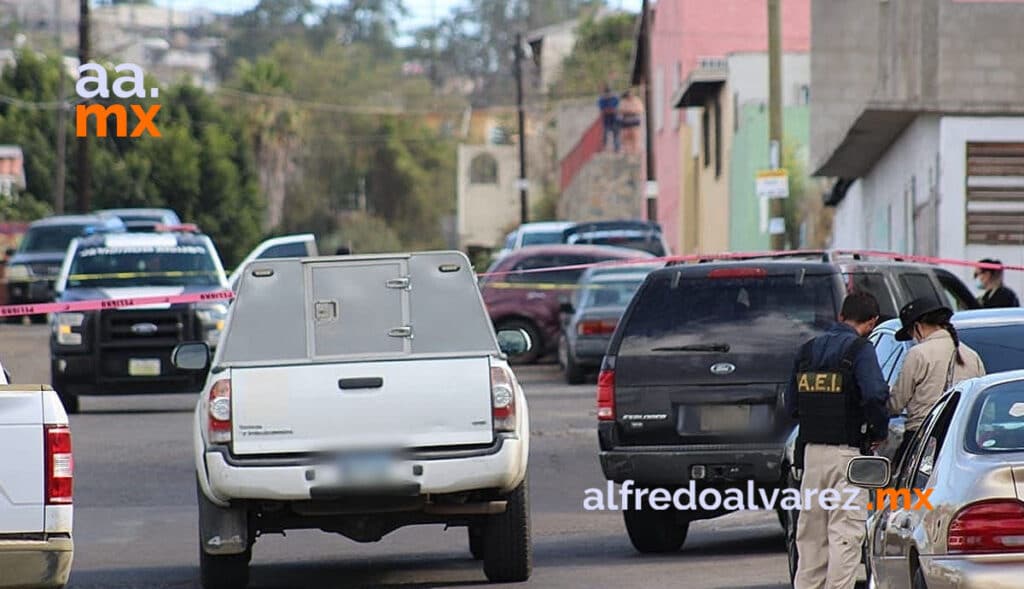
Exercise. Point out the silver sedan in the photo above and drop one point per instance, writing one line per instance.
(961, 523)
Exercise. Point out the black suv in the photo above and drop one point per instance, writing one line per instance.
(692, 384)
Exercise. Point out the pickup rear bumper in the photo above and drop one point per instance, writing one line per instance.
(35, 563)
(502, 467)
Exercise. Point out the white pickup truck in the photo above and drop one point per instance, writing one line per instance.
(35, 487)
(357, 395)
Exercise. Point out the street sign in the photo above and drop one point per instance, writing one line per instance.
(772, 184)
(777, 226)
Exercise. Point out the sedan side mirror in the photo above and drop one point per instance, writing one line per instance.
(191, 356)
(514, 342)
(870, 472)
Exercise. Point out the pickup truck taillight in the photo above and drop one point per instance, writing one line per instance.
(606, 390)
(987, 527)
(60, 465)
(219, 412)
(503, 399)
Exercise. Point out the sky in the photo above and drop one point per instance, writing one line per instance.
(421, 12)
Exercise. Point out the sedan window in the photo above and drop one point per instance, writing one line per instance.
(998, 420)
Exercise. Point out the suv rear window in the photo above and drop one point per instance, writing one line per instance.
(674, 310)
(873, 283)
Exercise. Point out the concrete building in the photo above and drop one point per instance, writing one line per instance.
(488, 201)
(726, 112)
(682, 33)
(917, 114)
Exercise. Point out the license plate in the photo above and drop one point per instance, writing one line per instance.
(369, 469)
(725, 418)
(144, 367)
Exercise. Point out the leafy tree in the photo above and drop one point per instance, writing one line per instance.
(601, 55)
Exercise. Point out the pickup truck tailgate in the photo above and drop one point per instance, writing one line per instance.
(370, 405)
(21, 469)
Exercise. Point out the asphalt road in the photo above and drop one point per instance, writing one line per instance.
(135, 509)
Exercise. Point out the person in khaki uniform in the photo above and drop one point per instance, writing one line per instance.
(839, 396)
(938, 362)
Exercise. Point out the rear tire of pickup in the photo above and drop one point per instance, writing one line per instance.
(224, 571)
(220, 571)
(508, 550)
(654, 532)
(536, 350)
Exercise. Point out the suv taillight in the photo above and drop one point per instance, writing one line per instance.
(987, 527)
(606, 390)
(60, 465)
(219, 412)
(503, 399)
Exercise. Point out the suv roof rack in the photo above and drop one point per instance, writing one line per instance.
(823, 255)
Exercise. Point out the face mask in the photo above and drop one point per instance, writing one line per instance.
(979, 284)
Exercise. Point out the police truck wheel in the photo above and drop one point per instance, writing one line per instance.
(69, 401)
(508, 550)
(654, 532)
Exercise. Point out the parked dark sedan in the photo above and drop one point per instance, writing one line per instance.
(520, 294)
(996, 334)
(34, 266)
(601, 298)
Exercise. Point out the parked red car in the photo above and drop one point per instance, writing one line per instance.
(532, 301)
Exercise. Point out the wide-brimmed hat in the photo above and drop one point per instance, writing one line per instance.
(913, 311)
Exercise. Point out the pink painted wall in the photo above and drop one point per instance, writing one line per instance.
(684, 31)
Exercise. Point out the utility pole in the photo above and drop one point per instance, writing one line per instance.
(524, 207)
(82, 154)
(651, 191)
(776, 223)
(62, 116)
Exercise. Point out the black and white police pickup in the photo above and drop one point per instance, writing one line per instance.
(35, 487)
(358, 395)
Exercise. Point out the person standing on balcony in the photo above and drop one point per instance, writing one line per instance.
(631, 114)
(608, 104)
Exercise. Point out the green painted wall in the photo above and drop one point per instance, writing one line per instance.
(750, 154)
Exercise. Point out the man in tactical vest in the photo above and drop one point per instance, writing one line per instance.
(838, 395)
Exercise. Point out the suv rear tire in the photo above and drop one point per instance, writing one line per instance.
(508, 551)
(536, 350)
(654, 532)
(476, 541)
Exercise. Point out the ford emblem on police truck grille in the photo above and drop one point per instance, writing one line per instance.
(723, 368)
(146, 329)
